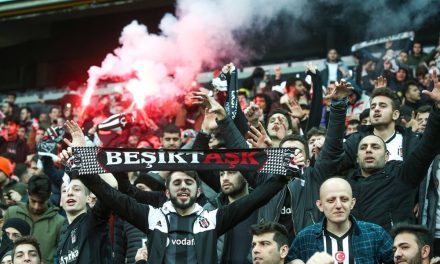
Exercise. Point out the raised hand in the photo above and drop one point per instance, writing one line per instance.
(258, 137)
(228, 68)
(209, 103)
(311, 67)
(380, 82)
(209, 123)
(295, 109)
(435, 94)
(78, 139)
(342, 89)
(253, 113)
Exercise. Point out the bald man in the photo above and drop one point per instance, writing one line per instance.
(340, 236)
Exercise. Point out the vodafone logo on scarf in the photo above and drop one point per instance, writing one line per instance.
(340, 256)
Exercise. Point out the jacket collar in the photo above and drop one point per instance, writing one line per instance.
(168, 207)
(321, 227)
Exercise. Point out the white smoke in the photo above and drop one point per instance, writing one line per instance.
(207, 33)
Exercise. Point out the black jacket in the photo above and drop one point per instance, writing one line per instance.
(303, 192)
(428, 190)
(154, 220)
(86, 239)
(409, 143)
(127, 240)
(224, 244)
(388, 197)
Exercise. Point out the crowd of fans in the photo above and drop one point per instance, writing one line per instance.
(365, 140)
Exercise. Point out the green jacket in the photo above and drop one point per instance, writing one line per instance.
(46, 229)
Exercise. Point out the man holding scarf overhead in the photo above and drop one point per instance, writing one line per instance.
(181, 231)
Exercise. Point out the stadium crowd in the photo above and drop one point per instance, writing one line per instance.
(365, 188)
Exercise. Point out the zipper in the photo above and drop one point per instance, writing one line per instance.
(311, 217)
(391, 219)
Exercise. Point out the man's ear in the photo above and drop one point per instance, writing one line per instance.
(319, 205)
(396, 115)
(284, 250)
(167, 193)
(199, 192)
(426, 249)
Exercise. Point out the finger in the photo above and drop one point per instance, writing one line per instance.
(252, 142)
(428, 93)
(255, 130)
(68, 143)
(297, 151)
(64, 156)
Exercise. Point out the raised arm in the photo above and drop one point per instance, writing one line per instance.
(332, 150)
(315, 115)
(232, 214)
(123, 205)
(429, 145)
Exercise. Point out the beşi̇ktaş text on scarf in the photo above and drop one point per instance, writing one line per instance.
(94, 160)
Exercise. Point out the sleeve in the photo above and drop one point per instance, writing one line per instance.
(232, 214)
(235, 140)
(124, 206)
(385, 247)
(230, 133)
(332, 150)
(55, 175)
(424, 153)
(315, 115)
(154, 199)
(119, 243)
(296, 249)
(211, 178)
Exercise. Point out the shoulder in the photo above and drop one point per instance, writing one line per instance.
(311, 230)
(370, 229)
(19, 207)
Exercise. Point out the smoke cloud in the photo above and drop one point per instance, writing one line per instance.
(207, 33)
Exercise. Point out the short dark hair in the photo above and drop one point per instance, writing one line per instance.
(381, 139)
(54, 107)
(364, 114)
(267, 100)
(354, 122)
(13, 94)
(422, 234)
(407, 85)
(28, 109)
(192, 174)
(26, 240)
(10, 119)
(283, 112)
(424, 109)
(387, 92)
(296, 137)
(316, 131)
(170, 128)
(40, 186)
(280, 234)
(292, 81)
